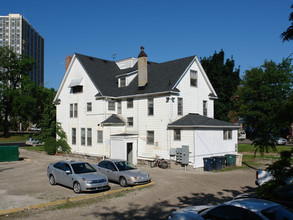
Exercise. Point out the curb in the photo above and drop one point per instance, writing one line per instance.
(83, 197)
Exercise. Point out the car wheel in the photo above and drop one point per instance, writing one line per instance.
(76, 187)
(52, 180)
(122, 181)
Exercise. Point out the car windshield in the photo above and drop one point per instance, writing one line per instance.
(82, 168)
(124, 165)
(277, 213)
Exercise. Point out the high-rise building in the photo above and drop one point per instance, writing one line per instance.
(22, 38)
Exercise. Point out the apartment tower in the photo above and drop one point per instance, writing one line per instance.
(17, 34)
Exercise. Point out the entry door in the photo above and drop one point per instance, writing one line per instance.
(130, 152)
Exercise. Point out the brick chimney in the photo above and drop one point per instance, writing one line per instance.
(67, 61)
(142, 68)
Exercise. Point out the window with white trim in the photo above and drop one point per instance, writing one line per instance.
(150, 137)
(129, 103)
(89, 137)
(205, 108)
(73, 136)
(177, 135)
(111, 105)
(227, 134)
(100, 136)
(130, 121)
(89, 107)
(180, 106)
(193, 78)
(150, 106)
(82, 136)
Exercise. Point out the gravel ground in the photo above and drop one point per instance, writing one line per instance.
(25, 183)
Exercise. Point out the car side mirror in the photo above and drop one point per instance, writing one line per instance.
(67, 171)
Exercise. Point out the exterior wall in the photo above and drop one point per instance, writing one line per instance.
(165, 112)
(193, 96)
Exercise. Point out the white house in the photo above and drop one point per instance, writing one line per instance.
(135, 109)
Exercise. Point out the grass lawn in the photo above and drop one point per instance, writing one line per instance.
(14, 138)
(35, 148)
(242, 148)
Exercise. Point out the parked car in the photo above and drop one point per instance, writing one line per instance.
(123, 172)
(235, 209)
(241, 135)
(263, 176)
(33, 142)
(281, 141)
(283, 196)
(80, 176)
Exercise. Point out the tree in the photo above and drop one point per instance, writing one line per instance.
(13, 68)
(224, 79)
(288, 34)
(263, 93)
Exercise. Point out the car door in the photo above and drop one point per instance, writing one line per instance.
(67, 175)
(102, 167)
(112, 172)
(58, 172)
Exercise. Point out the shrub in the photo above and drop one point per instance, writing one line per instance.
(50, 146)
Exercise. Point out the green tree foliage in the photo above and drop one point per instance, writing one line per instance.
(282, 171)
(225, 79)
(13, 68)
(288, 34)
(263, 95)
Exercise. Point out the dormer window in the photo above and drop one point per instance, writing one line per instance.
(122, 82)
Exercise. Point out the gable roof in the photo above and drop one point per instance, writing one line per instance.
(193, 120)
(162, 77)
(113, 120)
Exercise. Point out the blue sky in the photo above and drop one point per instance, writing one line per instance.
(247, 30)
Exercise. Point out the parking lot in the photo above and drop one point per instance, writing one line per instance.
(24, 183)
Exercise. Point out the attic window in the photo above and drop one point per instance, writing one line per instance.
(77, 89)
(193, 78)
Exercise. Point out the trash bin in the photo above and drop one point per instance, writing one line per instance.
(231, 160)
(217, 163)
(208, 164)
(239, 160)
(223, 158)
(9, 153)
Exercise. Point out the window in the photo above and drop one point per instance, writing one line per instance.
(151, 106)
(205, 108)
(177, 135)
(89, 137)
(180, 106)
(129, 103)
(82, 136)
(77, 89)
(73, 135)
(119, 107)
(193, 78)
(111, 105)
(75, 110)
(227, 134)
(89, 106)
(100, 136)
(71, 111)
(130, 121)
(122, 82)
(150, 137)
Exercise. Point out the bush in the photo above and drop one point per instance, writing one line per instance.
(50, 146)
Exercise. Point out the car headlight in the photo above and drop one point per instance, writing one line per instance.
(86, 181)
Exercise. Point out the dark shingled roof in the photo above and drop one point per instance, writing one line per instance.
(113, 120)
(162, 77)
(199, 121)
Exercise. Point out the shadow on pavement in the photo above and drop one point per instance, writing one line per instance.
(163, 209)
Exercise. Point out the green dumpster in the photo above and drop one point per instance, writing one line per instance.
(231, 160)
(9, 153)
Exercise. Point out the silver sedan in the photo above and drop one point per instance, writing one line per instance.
(123, 172)
(80, 176)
